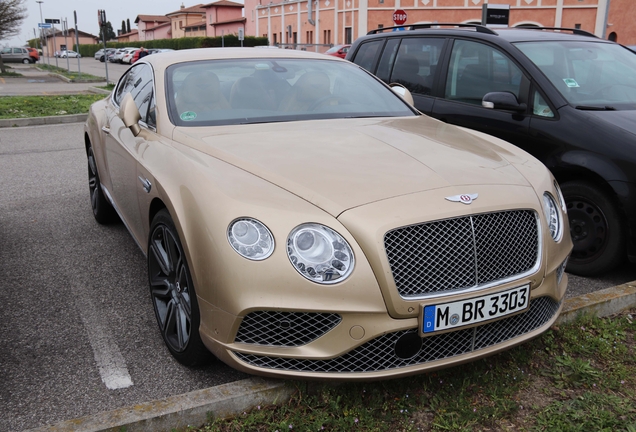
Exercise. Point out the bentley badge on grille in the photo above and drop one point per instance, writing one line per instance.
(463, 198)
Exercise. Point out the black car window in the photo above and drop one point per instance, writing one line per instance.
(386, 61)
(540, 106)
(476, 69)
(367, 54)
(416, 64)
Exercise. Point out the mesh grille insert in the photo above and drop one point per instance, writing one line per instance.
(379, 354)
(467, 252)
(287, 329)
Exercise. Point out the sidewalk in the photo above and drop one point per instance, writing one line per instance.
(34, 82)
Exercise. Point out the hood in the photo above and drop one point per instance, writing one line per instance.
(344, 163)
(625, 120)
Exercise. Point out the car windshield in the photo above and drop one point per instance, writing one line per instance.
(243, 91)
(590, 75)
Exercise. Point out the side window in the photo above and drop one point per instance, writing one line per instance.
(540, 107)
(386, 61)
(138, 81)
(367, 54)
(416, 64)
(6, 51)
(141, 91)
(17, 50)
(476, 69)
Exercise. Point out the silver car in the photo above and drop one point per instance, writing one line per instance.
(16, 55)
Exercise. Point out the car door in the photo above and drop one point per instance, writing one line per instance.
(473, 69)
(123, 149)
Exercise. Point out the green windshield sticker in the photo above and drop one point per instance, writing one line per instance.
(570, 82)
(188, 116)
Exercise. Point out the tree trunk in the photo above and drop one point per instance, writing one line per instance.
(2, 68)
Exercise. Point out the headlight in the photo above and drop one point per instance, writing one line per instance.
(320, 254)
(250, 238)
(560, 197)
(552, 215)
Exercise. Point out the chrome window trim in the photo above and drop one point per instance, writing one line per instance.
(444, 294)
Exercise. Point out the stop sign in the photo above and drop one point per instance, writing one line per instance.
(399, 17)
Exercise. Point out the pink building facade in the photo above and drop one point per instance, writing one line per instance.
(342, 21)
(224, 17)
(149, 24)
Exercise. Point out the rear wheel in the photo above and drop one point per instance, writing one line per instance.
(26, 61)
(173, 295)
(597, 230)
(102, 209)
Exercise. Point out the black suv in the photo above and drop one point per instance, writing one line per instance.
(563, 95)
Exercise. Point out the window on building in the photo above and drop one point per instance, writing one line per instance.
(577, 26)
(295, 37)
(348, 35)
(310, 36)
(275, 41)
(326, 37)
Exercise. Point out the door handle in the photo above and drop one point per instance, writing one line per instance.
(106, 130)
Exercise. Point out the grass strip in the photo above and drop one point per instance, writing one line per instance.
(42, 106)
(576, 377)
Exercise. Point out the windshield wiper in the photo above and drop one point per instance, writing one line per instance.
(595, 108)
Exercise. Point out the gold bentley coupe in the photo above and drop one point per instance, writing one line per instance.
(301, 219)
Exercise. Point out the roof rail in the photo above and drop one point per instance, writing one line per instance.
(573, 30)
(478, 28)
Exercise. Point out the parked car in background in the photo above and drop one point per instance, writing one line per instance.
(108, 53)
(16, 55)
(118, 56)
(99, 54)
(566, 96)
(300, 219)
(34, 54)
(70, 54)
(338, 51)
(128, 56)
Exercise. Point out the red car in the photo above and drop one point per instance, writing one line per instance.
(34, 54)
(338, 51)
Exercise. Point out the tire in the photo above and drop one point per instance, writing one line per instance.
(173, 296)
(102, 209)
(597, 230)
(26, 61)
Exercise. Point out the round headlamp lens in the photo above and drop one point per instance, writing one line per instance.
(250, 238)
(320, 254)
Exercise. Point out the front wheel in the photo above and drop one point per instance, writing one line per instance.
(26, 61)
(597, 230)
(173, 295)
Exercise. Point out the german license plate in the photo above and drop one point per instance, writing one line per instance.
(474, 310)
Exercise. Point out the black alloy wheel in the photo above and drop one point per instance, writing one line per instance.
(102, 209)
(597, 230)
(172, 292)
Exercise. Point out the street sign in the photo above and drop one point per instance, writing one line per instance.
(399, 17)
(241, 34)
(51, 21)
(45, 25)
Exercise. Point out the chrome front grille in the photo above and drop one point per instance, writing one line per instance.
(462, 253)
(380, 353)
(287, 329)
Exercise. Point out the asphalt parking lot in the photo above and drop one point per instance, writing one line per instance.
(75, 311)
(75, 316)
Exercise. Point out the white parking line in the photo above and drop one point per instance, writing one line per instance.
(110, 362)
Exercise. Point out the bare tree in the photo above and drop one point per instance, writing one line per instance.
(12, 13)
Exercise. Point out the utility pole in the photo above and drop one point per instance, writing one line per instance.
(79, 69)
(48, 51)
(65, 29)
(101, 18)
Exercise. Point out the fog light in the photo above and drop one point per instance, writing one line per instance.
(561, 270)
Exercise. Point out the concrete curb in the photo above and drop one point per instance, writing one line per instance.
(193, 408)
(228, 400)
(600, 303)
(33, 121)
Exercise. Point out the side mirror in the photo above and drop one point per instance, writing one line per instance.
(129, 114)
(403, 92)
(502, 101)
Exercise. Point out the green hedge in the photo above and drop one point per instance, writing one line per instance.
(179, 44)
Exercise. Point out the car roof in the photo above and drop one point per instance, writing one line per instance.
(509, 34)
(197, 54)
